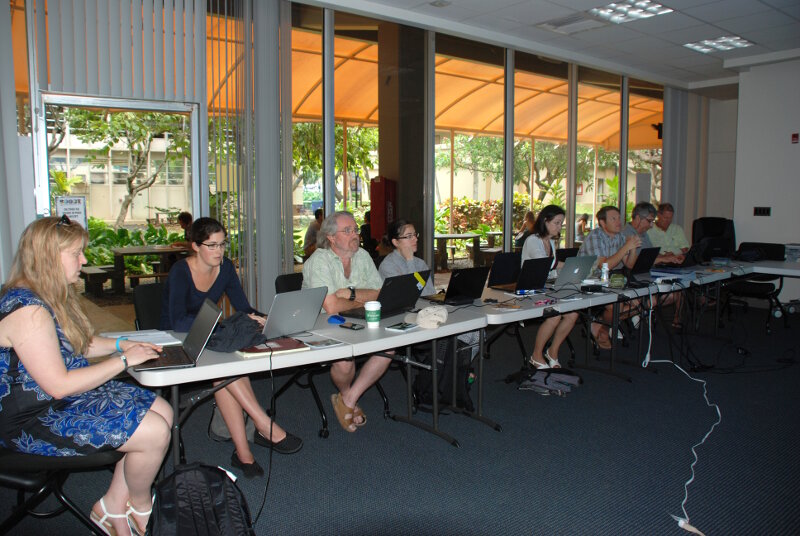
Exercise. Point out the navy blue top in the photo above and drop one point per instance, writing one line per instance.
(182, 300)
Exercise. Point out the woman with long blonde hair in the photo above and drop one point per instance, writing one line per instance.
(52, 401)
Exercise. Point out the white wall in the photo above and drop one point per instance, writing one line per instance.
(767, 163)
(722, 117)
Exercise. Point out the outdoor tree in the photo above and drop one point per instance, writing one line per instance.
(132, 133)
(362, 146)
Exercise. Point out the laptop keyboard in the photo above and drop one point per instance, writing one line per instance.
(172, 355)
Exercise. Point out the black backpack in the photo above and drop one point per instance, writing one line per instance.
(200, 500)
(423, 388)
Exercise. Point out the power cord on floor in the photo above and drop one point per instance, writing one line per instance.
(683, 522)
(271, 425)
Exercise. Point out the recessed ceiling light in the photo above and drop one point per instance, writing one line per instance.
(719, 45)
(628, 10)
(440, 3)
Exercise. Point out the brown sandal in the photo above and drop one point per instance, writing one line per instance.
(343, 413)
(358, 412)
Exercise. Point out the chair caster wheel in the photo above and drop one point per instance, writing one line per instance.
(324, 433)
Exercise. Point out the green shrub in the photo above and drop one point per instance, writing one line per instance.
(102, 238)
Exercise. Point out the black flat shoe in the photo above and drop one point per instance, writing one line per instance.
(250, 470)
(288, 445)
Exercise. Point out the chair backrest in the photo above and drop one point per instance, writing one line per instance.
(565, 253)
(716, 234)
(147, 301)
(288, 282)
(761, 251)
(505, 268)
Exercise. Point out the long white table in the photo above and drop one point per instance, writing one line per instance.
(216, 365)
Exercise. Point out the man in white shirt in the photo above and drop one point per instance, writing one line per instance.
(667, 235)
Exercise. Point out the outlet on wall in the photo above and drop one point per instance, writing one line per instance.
(762, 211)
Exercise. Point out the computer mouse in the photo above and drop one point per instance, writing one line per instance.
(335, 319)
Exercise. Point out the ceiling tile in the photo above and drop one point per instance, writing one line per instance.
(725, 9)
(607, 34)
(482, 5)
(580, 5)
(662, 23)
(532, 12)
(743, 26)
(450, 12)
(693, 34)
(491, 22)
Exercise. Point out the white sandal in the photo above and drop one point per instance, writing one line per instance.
(136, 530)
(537, 365)
(552, 363)
(102, 522)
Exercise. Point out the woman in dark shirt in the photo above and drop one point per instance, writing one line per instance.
(209, 274)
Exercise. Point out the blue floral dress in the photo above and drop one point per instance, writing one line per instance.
(33, 422)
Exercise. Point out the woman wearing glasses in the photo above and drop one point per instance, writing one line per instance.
(52, 401)
(403, 237)
(209, 274)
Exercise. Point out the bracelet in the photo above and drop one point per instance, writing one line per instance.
(119, 340)
(124, 361)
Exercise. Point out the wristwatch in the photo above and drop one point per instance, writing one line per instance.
(352, 293)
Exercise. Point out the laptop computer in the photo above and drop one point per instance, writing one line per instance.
(691, 258)
(294, 312)
(533, 276)
(187, 354)
(639, 274)
(398, 295)
(465, 286)
(571, 275)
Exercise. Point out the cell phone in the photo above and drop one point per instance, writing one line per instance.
(401, 327)
(351, 325)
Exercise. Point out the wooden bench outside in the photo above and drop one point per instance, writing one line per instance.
(94, 277)
(134, 278)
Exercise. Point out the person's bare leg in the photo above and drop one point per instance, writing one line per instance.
(144, 453)
(565, 325)
(370, 372)
(242, 391)
(543, 335)
(342, 374)
(232, 414)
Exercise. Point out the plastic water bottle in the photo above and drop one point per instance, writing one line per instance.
(604, 273)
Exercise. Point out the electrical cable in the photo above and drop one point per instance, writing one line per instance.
(271, 449)
(683, 522)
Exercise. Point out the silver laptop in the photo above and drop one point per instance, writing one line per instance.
(571, 275)
(294, 312)
(187, 354)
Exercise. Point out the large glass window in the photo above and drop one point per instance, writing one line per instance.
(356, 110)
(139, 147)
(597, 172)
(645, 125)
(307, 183)
(541, 126)
(469, 122)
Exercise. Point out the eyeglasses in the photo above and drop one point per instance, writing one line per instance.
(408, 236)
(64, 221)
(213, 246)
(348, 230)
(651, 222)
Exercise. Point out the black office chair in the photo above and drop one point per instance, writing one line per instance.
(717, 235)
(288, 282)
(147, 305)
(42, 476)
(757, 286)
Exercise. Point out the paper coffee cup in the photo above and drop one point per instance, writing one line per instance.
(372, 312)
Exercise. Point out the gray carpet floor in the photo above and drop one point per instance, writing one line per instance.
(611, 457)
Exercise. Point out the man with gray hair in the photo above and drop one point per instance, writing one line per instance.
(642, 217)
(352, 280)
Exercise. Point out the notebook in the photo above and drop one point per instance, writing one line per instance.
(398, 295)
(294, 312)
(533, 276)
(465, 286)
(187, 354)
(571, 275)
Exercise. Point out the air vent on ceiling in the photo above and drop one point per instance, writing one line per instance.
(571, 24)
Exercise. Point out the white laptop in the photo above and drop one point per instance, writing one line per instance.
(294, 312)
